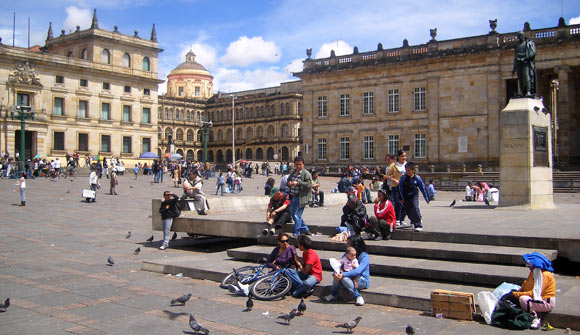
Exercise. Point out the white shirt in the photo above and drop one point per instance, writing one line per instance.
(93, 178)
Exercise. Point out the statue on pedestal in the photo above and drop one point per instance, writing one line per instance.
(525, 65)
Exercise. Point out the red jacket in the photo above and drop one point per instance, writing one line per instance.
(386, 211)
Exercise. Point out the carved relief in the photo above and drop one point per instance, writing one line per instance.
(24, 74)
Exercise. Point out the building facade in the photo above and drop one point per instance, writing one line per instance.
(91, 91)
(439, 101)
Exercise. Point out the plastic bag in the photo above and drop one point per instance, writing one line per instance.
(486, 302)
(504, 288)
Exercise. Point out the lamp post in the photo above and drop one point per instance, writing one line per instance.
(23, 113)
(555, 85)
(233, 96)
(205, 127)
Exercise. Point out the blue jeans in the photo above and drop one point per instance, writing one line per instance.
(22, 195)
(396, 200)
(296, 212)
(301, 282)
(348, 284)
(167, 223)
(219, 187)
(156, 177)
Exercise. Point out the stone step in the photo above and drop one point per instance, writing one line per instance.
(479, 274)
(432, 250)
(396, 292)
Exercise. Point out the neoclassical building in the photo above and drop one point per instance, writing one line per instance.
(440, 101)
(92, 91)
(267, 121)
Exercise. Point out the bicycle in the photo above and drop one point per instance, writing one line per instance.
(264, 285)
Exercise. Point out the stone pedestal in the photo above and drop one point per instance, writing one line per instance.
(525, 162)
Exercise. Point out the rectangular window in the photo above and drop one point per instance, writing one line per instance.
(322, 148)
(105, 143)
(59, 80)
(146, 118)
(58, 106)
(106, 86)
(22, 100)
(393, 144)
(127, 89)
(419, 98)
(368, 147)
(420, 143)
(322, 107)
(146, 147)
(83, 142)
(127, 144)
(126, 113)
(344, 148)
(146, 91)
(344, 105)
(197, 91)
(180, 91)
(84, 83)
(105, 111)
(58, 140)
(368, 103)
(394, 101)
(83, 109)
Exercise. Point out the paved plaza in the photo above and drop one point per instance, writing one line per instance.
(53, 266)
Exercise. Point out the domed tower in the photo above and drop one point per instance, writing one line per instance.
(190, 80)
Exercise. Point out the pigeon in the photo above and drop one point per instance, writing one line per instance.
(453, 203)
(301, 307)
(110, 261)
(486, 201)
(249, 303)
(150, 239)
(181, 300)
(137, 251)
(174, 237)
(289, 316)
(409, 330)
(196, 326)
(128, 235)
(4, 305)
(130, 186)
(350, 325)
(68, 191)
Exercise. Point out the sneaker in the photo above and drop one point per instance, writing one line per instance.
(398, 223)
(163, 247)
(329, 298)
(265, 231)
(547, 327)
(272, 231)
(535, 323)
(359, 301)
(378, 238)
(418, 229)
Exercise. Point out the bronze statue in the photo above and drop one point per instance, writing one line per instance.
(525, 65)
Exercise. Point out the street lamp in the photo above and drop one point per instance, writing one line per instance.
(555, 85)
(205, 127)
(233, 96)
(23, 113)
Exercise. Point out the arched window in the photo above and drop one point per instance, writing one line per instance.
(260, 132)
(259, 154)
(285, 132)
(211, 139)
(168, 133)
(198, 115)
(126, 60)
(210, 156)
(69, 54)
(179, 134)
(106, 56)
(200, 136)
(285, 155)
(220, 156)
(271, 133)
(249, 153)
(229, 155)
(189, 135)
(189, 155)
(220, 136)
(84, 54)
(229, 135)
(170, 114)
(281, 109)
(200, 155)
(166, 113)
(179, 151)
(146, 66)
(239, 134)
(270, 154)
(249, 134)
(160, 113)
(267, 110)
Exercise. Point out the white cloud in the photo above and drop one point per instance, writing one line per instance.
(77, 17)
(575, 20)
(340, 47)
(233, 80)
(205, 54)
(246, 51)
(295, 65)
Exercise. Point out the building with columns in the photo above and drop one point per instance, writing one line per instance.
(92, 91)
(440, 101)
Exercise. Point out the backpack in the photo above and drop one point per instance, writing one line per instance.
(177, 209)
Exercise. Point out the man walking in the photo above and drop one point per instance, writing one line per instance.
(300, 189)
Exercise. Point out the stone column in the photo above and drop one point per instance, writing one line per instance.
(563, 113)
(525, 162)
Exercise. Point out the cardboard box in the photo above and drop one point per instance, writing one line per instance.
(454, 305)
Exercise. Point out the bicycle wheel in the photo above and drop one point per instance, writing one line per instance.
(243, 273)
(271, 287)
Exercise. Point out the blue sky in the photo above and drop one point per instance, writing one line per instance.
(254, 44)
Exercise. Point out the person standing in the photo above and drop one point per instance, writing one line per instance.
(220, 184)
(300, 189)
(93, 182)
(169, 210)
(394, 173)
(114, 182)
(136, 171)
(22, 188)
(309, 271)
(409, 184)
(105, 167)
(317, 193)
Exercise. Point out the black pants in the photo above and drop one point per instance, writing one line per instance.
(411, 207)
(353, 223)
(282, 218)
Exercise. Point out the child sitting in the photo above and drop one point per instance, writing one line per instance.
(349, 263)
